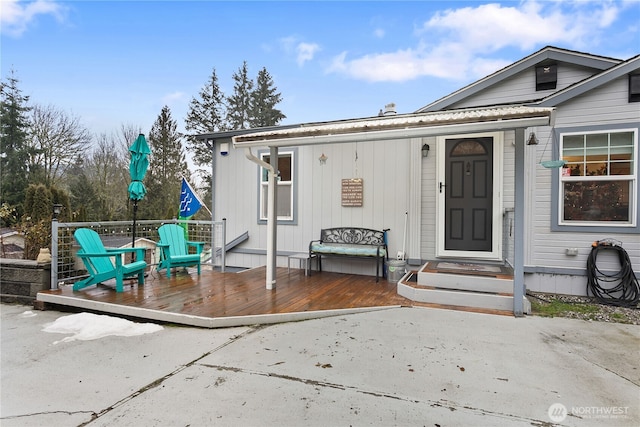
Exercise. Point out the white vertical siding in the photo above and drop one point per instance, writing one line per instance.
(429, 201)
(508, 195)
(383, 166)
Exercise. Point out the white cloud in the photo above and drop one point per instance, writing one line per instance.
(490, 27)
(303, 51)
(379, 33)
(464, 43)
(306, 52)
(15, 15)
(288, 43)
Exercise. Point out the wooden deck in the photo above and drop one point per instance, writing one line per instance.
(216, 299)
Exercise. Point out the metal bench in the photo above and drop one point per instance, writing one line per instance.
(352, 242)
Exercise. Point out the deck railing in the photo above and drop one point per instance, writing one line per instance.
(67, 267)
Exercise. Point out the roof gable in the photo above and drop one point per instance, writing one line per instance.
(627, 67)
(548, 53)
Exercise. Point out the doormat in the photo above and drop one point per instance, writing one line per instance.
(467, 267)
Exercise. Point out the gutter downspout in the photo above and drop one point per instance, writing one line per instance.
(211, 143)
(271, 212)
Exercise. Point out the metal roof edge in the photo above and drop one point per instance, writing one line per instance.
(230, 133)
(401, 126)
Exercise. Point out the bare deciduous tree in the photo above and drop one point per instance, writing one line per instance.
(55, 139)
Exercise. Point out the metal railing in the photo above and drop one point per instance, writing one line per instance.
(67, 267)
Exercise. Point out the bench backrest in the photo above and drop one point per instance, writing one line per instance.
(352, 235)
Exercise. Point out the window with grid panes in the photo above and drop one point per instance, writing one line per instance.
(284, 204)
(598, 182)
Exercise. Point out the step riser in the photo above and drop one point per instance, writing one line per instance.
(453, 297)
(465, 282)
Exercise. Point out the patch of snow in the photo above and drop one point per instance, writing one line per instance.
(88, 326)
(27, 313)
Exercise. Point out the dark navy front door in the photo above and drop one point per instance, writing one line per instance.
(469, 194)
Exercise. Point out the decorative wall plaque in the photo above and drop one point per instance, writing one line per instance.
(352, 192)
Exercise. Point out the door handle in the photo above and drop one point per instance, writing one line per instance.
(442, 186)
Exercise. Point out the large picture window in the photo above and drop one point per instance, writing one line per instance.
(598, 182)
(285, 186)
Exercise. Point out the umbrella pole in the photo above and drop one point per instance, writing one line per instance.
(133, 241)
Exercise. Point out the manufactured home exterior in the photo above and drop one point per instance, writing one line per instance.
(464, 175)
(593, 100)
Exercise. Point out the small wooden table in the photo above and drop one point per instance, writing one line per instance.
(302, 257)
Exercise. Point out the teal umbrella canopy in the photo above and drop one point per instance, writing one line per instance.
(138, 167)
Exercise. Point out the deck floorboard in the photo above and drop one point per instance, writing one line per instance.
(215, 295)
(216, 299)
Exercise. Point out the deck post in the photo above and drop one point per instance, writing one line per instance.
(223, 259)
(272, 218)
(518, 238)
(54, 253)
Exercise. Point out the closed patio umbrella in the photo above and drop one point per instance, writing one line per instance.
(137, 169)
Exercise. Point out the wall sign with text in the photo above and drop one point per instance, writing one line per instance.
(352, 192)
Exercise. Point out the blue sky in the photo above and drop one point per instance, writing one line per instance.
(119, 62)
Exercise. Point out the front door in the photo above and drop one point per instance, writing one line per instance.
(468, 189)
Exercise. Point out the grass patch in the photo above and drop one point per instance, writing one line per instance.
(559, 308)
(618, 316)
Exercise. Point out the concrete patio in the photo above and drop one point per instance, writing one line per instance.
(398, 366)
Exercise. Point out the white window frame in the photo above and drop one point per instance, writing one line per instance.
(263, 184)
(632, 178)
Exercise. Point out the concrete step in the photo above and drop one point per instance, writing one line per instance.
(466, 277)
(409, 288)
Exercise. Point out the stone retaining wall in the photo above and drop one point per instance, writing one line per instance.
(21, 280)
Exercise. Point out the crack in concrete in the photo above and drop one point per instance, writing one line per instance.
(610, 371)
(552, 339)
(160, 380)
(35, 414)
(452, 406)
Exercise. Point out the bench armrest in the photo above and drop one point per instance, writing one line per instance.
(312, 242)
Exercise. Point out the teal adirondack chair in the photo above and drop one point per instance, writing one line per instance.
(174, 249)
(105, 263)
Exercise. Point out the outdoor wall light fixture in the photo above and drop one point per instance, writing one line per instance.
(323, 159)
(532, 139)
(57, 209)
(224, 148)
(425, 150)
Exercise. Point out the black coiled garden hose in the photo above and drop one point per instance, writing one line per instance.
(621, 288)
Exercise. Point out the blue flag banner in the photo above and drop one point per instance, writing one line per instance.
(190, 203)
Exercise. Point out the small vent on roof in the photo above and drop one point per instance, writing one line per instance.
(390, 109)
(546, 76)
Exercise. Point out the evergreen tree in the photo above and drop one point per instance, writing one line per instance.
(83, 197)
(239, 104)
(36, 222)
(263, 102)
(14, 152)
(206, 114)
(167, 166)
